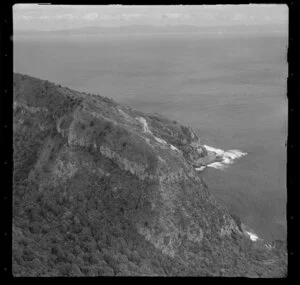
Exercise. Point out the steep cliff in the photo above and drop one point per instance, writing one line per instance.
(102, 189)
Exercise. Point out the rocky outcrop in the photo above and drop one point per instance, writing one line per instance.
(100, 172)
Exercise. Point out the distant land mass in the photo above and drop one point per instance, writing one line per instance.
(151, 29)
(100, 189)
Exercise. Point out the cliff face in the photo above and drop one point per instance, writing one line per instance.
(101, 189)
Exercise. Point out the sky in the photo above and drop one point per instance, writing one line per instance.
(56, 17)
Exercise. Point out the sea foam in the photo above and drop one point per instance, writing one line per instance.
(217, 165)
(252, 236)
(224, 158)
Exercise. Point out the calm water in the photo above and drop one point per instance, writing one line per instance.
(231, 90)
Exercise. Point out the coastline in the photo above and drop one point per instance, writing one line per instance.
(220, 159)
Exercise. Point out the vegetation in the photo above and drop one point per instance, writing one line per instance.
(87, 225)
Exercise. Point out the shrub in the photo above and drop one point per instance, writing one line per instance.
(28, 254)
(237, 220)
(106, 271)
(75, 271)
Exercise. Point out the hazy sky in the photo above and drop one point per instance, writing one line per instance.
(53, 17)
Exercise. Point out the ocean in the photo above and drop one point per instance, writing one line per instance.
(230, 88)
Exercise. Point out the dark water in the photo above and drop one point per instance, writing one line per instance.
(232, 90)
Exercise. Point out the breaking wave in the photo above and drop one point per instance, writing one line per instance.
(250, 233)
(224, 158)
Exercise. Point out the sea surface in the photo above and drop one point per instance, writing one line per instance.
(230, 89)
